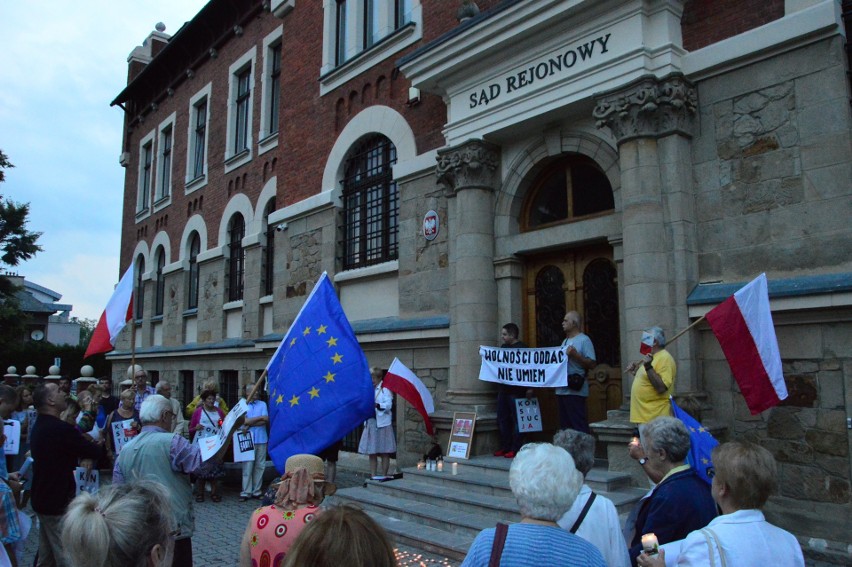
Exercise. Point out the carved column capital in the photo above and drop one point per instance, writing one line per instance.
(648, 108)
(472, 164)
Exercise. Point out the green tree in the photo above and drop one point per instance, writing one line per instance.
(87, 327)
(16, 244)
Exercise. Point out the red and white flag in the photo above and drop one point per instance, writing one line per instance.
(404, 382)
(743, 325)
(118, 311)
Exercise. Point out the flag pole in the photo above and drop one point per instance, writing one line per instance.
(133, 346)
(680, 334)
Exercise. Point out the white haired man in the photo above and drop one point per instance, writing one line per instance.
(571, 399)
(179, 425)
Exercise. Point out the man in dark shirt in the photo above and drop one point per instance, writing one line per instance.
(56, 448)
(507, 417)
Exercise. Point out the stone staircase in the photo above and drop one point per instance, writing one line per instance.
(441, 514)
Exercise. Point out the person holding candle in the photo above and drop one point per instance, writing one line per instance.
(745, 476)
(681, 501)
(545, 483)
(378, 438)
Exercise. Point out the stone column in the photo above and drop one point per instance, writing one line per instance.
(652, 121)
(509, 273)
(470, 173)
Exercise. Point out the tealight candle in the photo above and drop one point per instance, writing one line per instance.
(455, 469)
(650, 544)
(440, 466)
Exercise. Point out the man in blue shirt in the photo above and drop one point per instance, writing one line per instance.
(571, 400)
(257, 417)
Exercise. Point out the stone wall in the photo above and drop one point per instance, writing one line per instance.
(807, 434)
(773, 167)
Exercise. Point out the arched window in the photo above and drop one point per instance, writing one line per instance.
(194, 250)
(571, 188)
(139, 291)
(160, 292)
(370, 204)
(269, 251)
(236, 258)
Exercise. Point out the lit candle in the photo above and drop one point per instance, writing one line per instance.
(440, 466)
(650, 544)
(455, 469)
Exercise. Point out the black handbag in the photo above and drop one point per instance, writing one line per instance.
(576, 381)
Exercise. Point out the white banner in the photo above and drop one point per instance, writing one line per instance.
(12, 430)
(243, 447)
(86, 481)
(527, 367)
(529, 414)
(210, 445)
(122, 432)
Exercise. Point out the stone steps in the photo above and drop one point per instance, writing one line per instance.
(441, 513)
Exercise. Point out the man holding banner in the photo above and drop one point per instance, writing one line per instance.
(571, 399)
(507, 420)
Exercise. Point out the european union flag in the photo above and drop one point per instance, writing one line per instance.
(702, 444)
(319, 381)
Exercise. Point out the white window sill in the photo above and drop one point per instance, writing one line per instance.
(367, 272)
(270, 142)
(163, 202)
(143, 214)
(266, 299)
(195, 184)
(233, 305)
(237, 160)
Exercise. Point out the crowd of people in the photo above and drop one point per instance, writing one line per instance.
(151, 444)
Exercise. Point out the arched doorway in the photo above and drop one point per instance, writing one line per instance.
(581, 277)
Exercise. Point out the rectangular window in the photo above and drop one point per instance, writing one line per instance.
(242, 107)
(145, 178)
(340, 33)
(229, 386)
(236, 259)
(194, 249)
(160, 289)
(370, 22)
(164, 189)
(199, 139)
(274, 87)
(187, 384)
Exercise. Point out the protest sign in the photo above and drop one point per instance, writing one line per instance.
(86, 481)
(527, 367)
(461, 434)
(122, 432)
(243, 447)
(529, 414)
(211, 445)
(12, 430)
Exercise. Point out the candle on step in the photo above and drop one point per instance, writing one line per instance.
(455, 469)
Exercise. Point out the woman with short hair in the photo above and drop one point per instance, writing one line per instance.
(104, 530)
(681, 501)
(745, 477)
(545, 483)
(206, 422)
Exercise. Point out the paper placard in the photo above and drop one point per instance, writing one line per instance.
(243, 447)
(210, 445)
(12, 430)
(529, 415)
(527, 367)
(87, 481)
(122, 432)
(461, 435)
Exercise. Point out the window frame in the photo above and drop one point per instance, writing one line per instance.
(198, 140)
(165, 162)
(236, 259)
(240, 111)
(269, 250)
(160, 281)
(146, 176)
(270, 107)
(193, 275)
(363, 194)
(139, 289)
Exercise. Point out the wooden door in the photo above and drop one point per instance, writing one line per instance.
(583, 280)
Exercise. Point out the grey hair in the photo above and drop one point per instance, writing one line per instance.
(103, 530)
(581, 447)
(544, 481)
(160, 385)
(575, 318)
(668, 434)
(658, 335)
(153, 408)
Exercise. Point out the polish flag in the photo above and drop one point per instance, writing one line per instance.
(404, 382)
(118, 311)
(743, 325)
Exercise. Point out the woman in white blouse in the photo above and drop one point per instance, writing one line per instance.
(378, 437)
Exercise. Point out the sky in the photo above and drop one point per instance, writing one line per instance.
(61, 64)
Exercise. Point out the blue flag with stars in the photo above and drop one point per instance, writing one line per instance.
(318, 380)
(702, 443)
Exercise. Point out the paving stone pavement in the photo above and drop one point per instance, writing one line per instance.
(219, 529)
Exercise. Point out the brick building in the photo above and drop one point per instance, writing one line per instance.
(635, 161)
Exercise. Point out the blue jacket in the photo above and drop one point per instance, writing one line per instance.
(680, 504)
